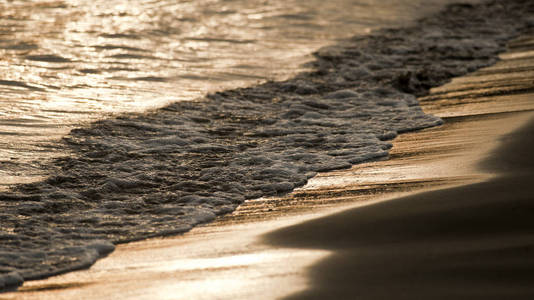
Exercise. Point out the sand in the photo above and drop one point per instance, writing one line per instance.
(474, 241)
(469, 242)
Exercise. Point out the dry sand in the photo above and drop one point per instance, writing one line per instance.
(464, 242)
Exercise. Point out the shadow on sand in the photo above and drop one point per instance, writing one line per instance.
(469, 242)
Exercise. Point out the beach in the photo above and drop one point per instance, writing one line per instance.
(469, 242)
(164, 171)
(447, 216)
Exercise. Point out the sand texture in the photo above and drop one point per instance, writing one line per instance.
(470, 242)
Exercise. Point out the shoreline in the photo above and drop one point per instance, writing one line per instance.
(98, 248)
(473, 241)
(230, 251)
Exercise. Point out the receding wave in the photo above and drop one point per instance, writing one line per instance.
(163, 172)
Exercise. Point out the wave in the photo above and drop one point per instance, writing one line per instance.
(165, 171)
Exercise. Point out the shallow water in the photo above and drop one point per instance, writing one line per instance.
(67, 63)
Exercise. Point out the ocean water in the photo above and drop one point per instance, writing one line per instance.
(67, 63)
(107, 136)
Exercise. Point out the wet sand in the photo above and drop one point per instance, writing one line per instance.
(469, 242)
(229, 259)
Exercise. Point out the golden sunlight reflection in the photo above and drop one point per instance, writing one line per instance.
(67, 63)
(230, 261)
(202, 264)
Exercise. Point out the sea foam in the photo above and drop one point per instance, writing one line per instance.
(165, 171)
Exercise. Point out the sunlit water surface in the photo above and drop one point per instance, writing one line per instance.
(67, 63)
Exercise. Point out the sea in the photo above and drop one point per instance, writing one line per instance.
(123, 120)
(65, 64)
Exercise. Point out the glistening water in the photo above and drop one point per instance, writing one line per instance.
(67, 63)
